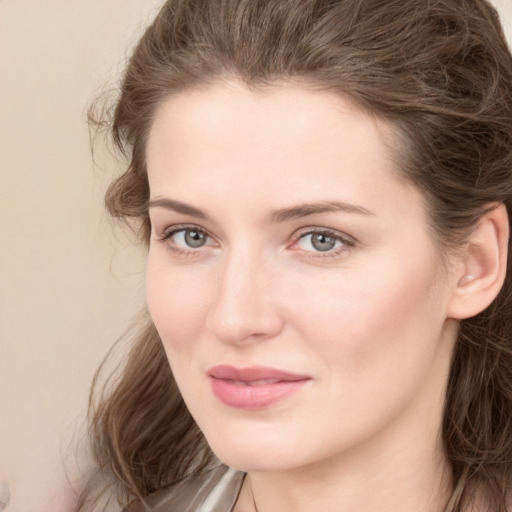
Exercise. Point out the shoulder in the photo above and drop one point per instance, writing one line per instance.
(212, 490)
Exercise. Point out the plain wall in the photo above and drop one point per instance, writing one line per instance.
(67, 288)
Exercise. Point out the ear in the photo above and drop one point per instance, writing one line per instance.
(481, 271)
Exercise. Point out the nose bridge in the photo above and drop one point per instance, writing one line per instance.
(242, 309)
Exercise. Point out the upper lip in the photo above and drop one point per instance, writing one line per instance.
(253, 373)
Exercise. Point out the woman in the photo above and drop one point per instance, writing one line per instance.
(324, 188)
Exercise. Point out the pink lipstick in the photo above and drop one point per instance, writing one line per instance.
(254, 387)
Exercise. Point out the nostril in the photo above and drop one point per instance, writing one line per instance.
(237, 322)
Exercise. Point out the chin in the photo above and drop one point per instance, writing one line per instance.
(247, 453)
(254, 462)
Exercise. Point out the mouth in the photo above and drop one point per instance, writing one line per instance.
(253, 387)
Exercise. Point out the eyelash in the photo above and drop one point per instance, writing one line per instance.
(171, 231)
(347, 242)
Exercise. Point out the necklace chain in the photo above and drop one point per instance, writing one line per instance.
(253, 498)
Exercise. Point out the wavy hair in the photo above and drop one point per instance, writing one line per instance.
(440, 72)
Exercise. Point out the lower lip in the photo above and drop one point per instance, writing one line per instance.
(252, 397)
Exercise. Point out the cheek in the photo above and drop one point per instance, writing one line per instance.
(177, 302)
(366, 323)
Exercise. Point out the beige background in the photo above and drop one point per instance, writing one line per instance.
(67, 288)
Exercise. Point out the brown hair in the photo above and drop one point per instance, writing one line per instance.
(440, 72)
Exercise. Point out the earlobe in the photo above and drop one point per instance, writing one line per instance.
(483, 267)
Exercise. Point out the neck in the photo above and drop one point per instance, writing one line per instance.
(397, 485)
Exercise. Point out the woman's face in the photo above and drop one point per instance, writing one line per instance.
(293, 279)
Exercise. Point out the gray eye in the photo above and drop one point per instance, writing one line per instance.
(322, 242)
(194, 238)
(317, 241)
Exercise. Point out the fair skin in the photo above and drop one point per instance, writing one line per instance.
(354, 297)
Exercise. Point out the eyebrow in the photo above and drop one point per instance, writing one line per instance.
(303, 210)
(275, 217)
(178, 207)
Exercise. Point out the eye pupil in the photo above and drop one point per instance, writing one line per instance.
(322, 242)
(194, 238)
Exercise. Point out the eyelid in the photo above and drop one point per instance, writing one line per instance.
(348, 242)
(169, 231)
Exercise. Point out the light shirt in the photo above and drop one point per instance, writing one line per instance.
(213, 490)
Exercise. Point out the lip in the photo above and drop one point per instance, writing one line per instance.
(253, 387)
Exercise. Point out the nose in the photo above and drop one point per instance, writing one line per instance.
(244, 308)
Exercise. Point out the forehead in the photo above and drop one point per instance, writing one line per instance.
(225, 116)
(282, 108)
(308, 144)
